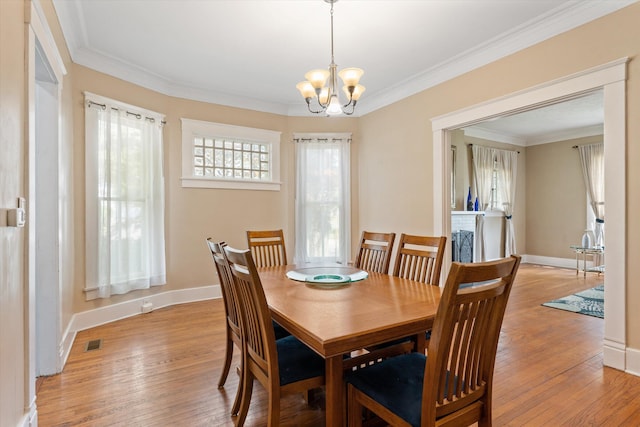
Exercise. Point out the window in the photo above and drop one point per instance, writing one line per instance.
(216, 155)
(322, 207)
(496, 202)
(494, 172)
(125, 246)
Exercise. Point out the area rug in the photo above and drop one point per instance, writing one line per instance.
(589, 302)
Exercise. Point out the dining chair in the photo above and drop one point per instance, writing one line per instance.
(374, 254)
(419, 258)
(268, 250)
(267, 247)
(452, 385)
(281, 366)
(232, 314)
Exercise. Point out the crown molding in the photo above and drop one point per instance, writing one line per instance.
(567, 134)
(557, 21)
(491, 135)
(477, 131)
(560, 20)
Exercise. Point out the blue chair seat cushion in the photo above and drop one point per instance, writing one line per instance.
(279, 330)
(296, 361)
(396, 383)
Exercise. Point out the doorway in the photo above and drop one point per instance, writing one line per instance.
(46, 212)
(611, 79)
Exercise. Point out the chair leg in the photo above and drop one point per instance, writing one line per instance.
(227, 362)
(247, 390)
(236, 403)
(274, 406)
(354, 408)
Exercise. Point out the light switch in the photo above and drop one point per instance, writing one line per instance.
(17, 217)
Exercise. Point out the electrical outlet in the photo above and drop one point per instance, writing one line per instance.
(147, 306)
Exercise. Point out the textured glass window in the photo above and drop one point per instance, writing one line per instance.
(220, 158)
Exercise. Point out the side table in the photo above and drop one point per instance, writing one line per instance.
(581, 250)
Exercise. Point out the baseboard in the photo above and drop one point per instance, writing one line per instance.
(633, 362)
(30, 419)
(614, 355)
(64, 348)
(550, 261)
(100, 316)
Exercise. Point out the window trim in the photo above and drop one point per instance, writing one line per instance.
(192, 128)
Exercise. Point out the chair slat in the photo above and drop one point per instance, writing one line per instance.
(420, 258)
(374, 254)
(267, 247)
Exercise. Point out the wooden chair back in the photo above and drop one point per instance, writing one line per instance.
(259, 342)
(267, 247)
(375, 251)
(229, 298)
(458, 377)
(232, 312)
(420, 258)
(258, 333)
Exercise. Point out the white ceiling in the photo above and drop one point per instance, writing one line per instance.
(251, 53)
(576, 118)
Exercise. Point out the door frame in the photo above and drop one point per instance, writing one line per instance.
(611, 78)
(39, 42)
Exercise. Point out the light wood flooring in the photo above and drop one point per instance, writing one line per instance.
(162, 369)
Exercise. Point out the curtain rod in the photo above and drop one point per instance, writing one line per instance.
(129, 113)
(586, 145)
(471, 145)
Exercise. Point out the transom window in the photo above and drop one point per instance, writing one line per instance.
(232, 159)
(224, 156)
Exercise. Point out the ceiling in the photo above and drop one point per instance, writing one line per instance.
(576, 118)
(251, 53)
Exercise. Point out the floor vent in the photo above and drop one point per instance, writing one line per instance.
(93, 345)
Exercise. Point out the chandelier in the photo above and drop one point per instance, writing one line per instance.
(326, 97)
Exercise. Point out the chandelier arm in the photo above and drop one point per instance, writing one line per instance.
(313, 111)
(353, 108)
(350, 100)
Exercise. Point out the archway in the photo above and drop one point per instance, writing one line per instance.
(611, 79)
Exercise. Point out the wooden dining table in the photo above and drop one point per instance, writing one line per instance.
(336, 320)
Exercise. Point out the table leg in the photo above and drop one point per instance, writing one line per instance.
(577, 263)
(334, 392)
(584, 263)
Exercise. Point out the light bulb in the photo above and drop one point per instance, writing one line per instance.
(334, 107)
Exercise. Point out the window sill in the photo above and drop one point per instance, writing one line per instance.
(230, 184)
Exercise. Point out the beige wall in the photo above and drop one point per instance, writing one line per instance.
(13, 368)
(193, 214)
(557, 197)
(392, 159)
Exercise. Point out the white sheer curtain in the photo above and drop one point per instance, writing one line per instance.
(483, 164)
(592, 160)
(507, 171)
(323, 198)
(125, 247)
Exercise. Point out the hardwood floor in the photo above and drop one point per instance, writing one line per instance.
(162, 369)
